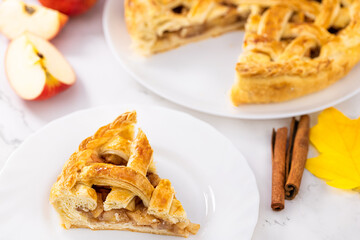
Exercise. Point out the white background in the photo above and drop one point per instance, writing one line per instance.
(318, 212)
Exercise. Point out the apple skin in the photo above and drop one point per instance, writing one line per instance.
(48, 91)
(52, 90)
(69, 7)
(63, 20)
(51, 86)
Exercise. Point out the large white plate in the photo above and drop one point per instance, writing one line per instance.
(212, 179)
(199, 75)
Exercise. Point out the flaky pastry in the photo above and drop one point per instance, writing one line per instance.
(291, 48)
(111, 183)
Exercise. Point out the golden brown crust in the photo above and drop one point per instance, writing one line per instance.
(160, 25)
(133, 228)
(103, 174)
(104, 185)
(164, 205)
(289, 48)
(141, 156)
(278, 66)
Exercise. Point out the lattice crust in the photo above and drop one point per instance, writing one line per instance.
(296, 48)
(111, 183)
(291, 48)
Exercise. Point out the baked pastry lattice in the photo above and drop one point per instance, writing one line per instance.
(111, 183)
(291, 48)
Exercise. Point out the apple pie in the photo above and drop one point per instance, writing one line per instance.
(291, 48)
(111, 183)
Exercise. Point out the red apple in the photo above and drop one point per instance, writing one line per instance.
(36, 69)
(69, 7)
(16, 17)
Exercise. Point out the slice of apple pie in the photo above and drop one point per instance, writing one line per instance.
(111, 183)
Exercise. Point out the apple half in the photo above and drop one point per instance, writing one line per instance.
(16, 17)
(36, 69)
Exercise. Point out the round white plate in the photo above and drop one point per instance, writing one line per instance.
(210, 176)
(199, 75)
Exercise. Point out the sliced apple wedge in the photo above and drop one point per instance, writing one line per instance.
(36, 69)
(16, 17)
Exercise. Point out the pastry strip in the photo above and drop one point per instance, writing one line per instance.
(162, 199)
(119, 198)
(118, 176)
(141, 156)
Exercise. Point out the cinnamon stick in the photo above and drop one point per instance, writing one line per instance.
(278, 152)
(293, 128)
(297, 155)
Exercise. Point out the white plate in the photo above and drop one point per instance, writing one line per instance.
(212, 179)
(199, 75)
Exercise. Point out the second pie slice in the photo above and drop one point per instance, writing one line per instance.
(111, 183)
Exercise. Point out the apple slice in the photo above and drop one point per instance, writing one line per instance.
(36, 69)
(17, 17)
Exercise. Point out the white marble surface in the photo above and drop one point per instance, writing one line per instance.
(318, 212)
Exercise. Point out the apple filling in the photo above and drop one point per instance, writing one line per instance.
(231, 18)
(136, 215)
(140, 217)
